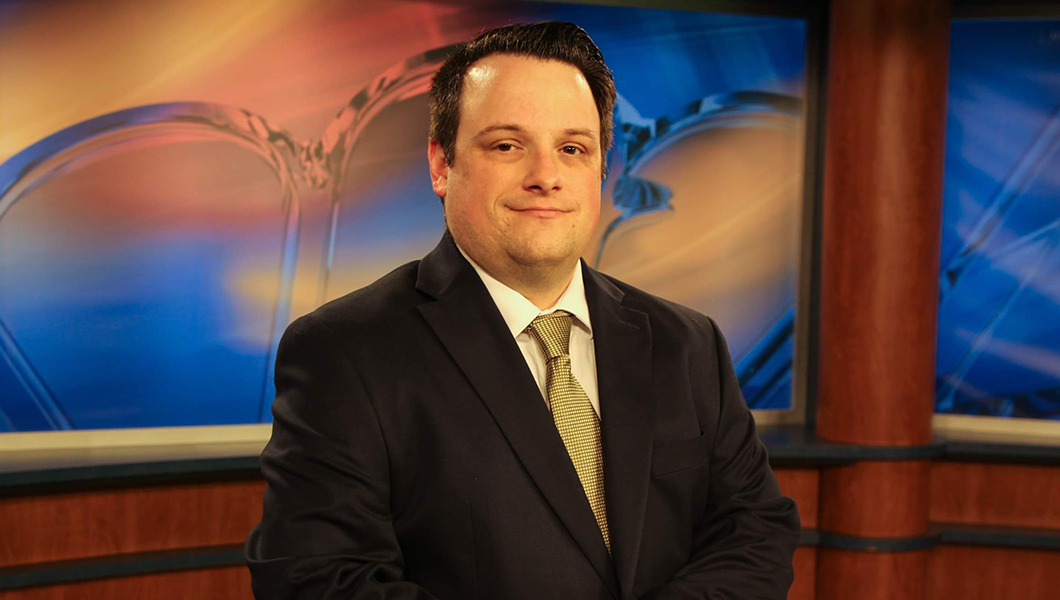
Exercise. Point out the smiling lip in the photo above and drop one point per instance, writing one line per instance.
(535, 211)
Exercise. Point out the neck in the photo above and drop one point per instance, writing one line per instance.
(541, 286)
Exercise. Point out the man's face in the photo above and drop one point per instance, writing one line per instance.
(525, 189)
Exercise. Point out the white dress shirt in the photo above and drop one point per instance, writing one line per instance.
(518, 313)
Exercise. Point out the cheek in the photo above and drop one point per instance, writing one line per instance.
(497, 178)
(470, 200)
(594, 203)
(591, 191)
(486, 188)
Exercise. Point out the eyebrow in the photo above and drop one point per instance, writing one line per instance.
(513, 127)
(582, 132)
(498, 127)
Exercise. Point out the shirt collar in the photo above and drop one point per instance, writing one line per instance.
(518, 312)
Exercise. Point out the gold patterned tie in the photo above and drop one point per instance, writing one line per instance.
(578, 425)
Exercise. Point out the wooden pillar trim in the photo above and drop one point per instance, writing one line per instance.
(1009, 495)
(875, 499)
(881, 220)
(231, 582)
(802, 485)
(805, 563)
(878, 544)
(187, 559)
(880, 235)
(1024, 538)
(855, 574)
(978, 573)
(952, 534)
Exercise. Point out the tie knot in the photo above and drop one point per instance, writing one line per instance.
(552, 332)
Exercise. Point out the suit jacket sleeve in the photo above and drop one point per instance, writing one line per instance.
(743, 546)
(326, 529)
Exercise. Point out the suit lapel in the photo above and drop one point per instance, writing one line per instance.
(622, 338)
(469, 325)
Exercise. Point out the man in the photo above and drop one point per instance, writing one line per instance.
(498, 420)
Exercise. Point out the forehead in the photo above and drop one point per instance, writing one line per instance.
(518, 89)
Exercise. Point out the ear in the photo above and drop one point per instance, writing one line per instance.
(439, 168)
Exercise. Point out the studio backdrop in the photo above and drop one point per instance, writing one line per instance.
(180, 180)
(999, 309)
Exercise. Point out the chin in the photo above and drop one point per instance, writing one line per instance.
(549, 257)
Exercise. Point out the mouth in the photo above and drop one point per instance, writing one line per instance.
(543, 212)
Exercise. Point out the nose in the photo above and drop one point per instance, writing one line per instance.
(542, 175)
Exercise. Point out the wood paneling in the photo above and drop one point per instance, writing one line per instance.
(801, 485)
(876, 499)
(881, 220)
(234, 583)
(805, 563)
(223, 583)
(849, 574)
(981, 573)
(995, 494)
(99, 523)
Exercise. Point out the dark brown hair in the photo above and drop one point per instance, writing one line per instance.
(547, 40)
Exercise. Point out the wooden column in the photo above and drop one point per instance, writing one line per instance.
(881, 221)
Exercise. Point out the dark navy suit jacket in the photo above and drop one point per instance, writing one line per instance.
(412, 457)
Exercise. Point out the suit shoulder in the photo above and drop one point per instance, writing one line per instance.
(673, 318)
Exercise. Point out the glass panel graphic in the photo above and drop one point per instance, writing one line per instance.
(150, 257)
(725, 179)
(999, 310)
(118, 257)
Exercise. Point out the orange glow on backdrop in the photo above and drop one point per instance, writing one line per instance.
(105, 56)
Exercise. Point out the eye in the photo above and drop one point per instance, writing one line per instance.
(572, 150)
(504, 147)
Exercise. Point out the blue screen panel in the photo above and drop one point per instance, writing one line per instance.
(999, 311)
